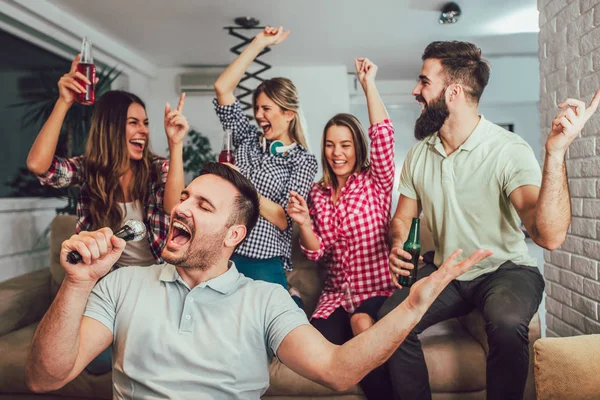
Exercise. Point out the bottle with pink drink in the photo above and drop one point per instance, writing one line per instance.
(86, 67)
(226, 155)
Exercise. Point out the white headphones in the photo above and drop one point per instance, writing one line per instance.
(278, 148)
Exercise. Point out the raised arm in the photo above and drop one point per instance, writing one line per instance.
(366, 71)
(229, 79)
(307, 352)
(65, 341)
(546, 211)
(176, 127)
(43, 148)
(381, 131)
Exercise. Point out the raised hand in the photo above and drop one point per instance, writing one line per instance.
(425, 291)
(68, 87)
(99, 251)
(569, 122)
(271, 36)
(297, 209)
(366, 71)
(176, 124)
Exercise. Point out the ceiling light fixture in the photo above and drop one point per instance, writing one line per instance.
(450, 13)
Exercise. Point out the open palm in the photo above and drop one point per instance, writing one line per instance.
(426, 290)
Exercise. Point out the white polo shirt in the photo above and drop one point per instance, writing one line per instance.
(465, 196)
(215, 341)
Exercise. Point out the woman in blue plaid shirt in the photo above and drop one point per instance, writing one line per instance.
(279, 165)
(120, 178)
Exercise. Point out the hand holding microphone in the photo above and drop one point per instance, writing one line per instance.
(96, 252)
(132, 231)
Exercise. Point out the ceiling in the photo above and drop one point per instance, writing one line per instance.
(393, 33)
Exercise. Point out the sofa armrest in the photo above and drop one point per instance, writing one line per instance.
(24, 300)
(567, 368)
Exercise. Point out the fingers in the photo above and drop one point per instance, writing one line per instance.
(476, 257)
(395, 280)
(283, 36)
(570, 116)
(84, 78)
(452, 257)
(357, 65)
(75, 244)
(593, 105)
(70, 83)
(118, 244)
(181, 101)
(75, 63)
(577, 104)
(167, 110)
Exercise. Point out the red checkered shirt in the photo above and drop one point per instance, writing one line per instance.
(64, 172)
(352, 232)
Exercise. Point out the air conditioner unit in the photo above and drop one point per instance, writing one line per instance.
(198, 82)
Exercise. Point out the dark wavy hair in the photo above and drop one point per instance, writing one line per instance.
(107, 159)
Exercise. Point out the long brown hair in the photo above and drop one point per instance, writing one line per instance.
(107, 159)
(361, 147)
(284, 93)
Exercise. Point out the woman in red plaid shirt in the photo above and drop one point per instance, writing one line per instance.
(120, 178)
(347, 221)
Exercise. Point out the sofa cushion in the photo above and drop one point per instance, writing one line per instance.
(24, 300)
(62, 228)
(567, 368)
(14, 348)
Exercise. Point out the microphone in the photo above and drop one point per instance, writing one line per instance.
(133, 231)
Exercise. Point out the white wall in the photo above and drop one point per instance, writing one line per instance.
(323, 92)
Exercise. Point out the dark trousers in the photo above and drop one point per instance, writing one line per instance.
(508, 298)
(376, 385)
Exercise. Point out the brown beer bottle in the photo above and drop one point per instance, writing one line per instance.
(412, 246)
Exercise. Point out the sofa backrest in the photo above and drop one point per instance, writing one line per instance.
(62, 228)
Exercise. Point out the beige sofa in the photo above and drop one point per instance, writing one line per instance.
(455, 350)
(568, 368)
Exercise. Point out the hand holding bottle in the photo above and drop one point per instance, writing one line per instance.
(69, 87)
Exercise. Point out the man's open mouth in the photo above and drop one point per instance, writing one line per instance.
(180, 234)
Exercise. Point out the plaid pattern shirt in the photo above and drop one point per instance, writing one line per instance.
(352, 231)
(64, 172)
(273, 176)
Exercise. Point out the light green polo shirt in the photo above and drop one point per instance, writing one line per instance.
(465, 196)
(215, 341)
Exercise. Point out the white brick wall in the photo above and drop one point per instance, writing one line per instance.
(23, 245)
(570, 67)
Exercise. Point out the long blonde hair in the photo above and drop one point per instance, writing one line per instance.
(107, 159)
(361, 147)
(284, 93)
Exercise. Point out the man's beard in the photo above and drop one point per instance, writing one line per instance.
(203, 253)
(433, 117)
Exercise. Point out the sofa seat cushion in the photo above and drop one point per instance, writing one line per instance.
(14, 348)
(455, 360)
(568, 368)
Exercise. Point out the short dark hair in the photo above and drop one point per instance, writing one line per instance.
(462, 62)
(246, 202)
